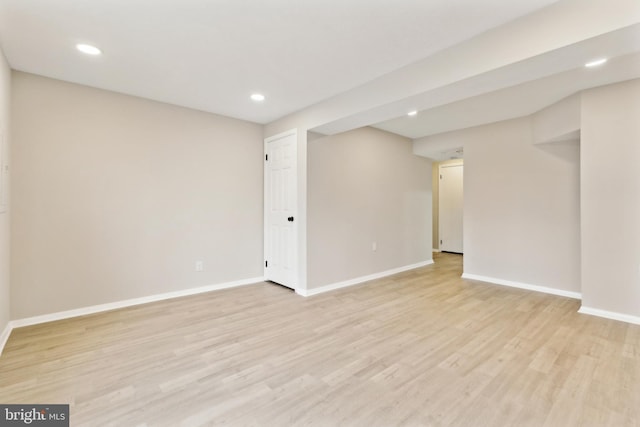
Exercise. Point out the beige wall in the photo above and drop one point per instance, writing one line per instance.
(611, 198)
(116, 197)
(435, 178)
(521, 205)
(366, 186)
(5, 88)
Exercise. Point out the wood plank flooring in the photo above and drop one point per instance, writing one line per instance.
(422, 348)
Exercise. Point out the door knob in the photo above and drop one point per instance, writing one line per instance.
(290, 219)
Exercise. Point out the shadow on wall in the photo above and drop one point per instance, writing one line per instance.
(564, 150)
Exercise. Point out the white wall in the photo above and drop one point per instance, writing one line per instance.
(116, 197)
(366, 186)
(611, 198)
(521, 205)
(5, 90)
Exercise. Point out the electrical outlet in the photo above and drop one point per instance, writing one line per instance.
(374, 246)
(199, 266)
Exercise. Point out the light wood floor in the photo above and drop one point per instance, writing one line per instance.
(422, 348)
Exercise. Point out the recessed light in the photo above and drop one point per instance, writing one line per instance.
(257, 97)
(412, 113)
(595, 63)
(88, 49)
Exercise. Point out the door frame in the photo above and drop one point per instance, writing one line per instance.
(266, 194)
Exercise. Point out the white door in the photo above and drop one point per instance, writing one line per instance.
(450, 208)
(280, 203)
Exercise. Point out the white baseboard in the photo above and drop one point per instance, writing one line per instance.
(5, 336)
(435, 250)
(357, 280)
(610, 315)
(519, 285)
(128, 303)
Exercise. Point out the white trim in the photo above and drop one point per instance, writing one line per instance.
(4, 337)
(281, 135)
(519, 285)
(128, 303)
(435, 250)
(610, 315)
(357, 280)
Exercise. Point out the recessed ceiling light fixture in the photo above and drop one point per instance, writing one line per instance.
(257, 97)
(88, 49)
(595, 63)
(412, 113)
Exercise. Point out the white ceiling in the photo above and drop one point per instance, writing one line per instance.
(517, 90)
(212, 54)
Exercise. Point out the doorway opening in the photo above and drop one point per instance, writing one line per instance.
(448, 205)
